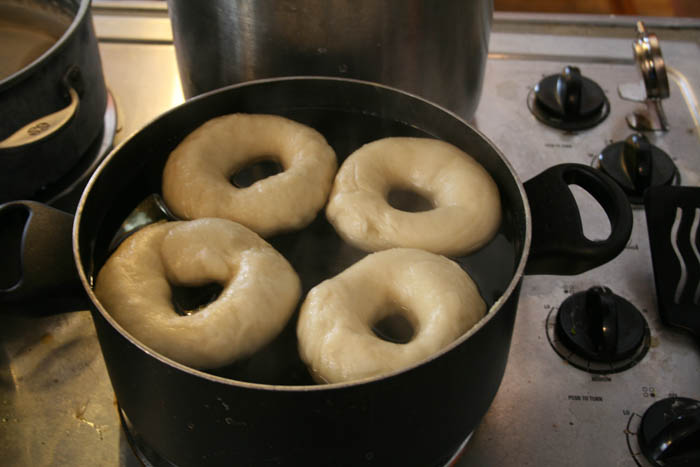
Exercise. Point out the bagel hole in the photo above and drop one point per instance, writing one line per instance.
(188, 300)
(409, 200)
(256, 171)
(394, 327)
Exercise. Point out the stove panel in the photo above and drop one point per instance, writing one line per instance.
(547, 412)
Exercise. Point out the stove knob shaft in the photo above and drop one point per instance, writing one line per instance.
(569, 101)
(600, 326)
(669, 433)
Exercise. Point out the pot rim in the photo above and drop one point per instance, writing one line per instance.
(33, 67)
(497, 305)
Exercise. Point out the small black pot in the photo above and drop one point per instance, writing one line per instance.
(36, 147)
(415, 417)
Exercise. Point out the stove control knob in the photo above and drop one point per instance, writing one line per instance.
(600, 326)
(636, 164)
(569, 101)
(669, 433)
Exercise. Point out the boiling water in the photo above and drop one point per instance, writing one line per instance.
(26, 32)
(317, 252)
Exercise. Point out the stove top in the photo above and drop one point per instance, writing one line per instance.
(56, 403)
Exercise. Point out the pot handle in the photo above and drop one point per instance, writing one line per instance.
(558, 243)
(47, 125)
(36, 251)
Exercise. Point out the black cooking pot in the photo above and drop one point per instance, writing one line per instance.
(52, 108)
(265, 410)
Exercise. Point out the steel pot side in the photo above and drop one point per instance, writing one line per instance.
(437, 50)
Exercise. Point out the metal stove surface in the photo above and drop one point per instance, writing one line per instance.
(56, 403)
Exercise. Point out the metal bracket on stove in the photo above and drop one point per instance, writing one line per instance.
(653, 87)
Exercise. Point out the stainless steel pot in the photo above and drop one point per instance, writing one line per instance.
(266, 410)
(437, 50)
(52, 108)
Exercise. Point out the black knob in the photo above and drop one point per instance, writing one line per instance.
(636, 164)
(568, 93)
(669, 433)
(569, 101)
(600, 326)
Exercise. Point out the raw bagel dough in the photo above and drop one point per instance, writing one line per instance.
(467, 205)
(335, 334)
(260, 290)
(196, 178)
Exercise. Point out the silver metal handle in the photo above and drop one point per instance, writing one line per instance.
(647, 52)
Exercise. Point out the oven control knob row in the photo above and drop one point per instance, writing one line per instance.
(569, 101)
(669, 433)
(600, 326)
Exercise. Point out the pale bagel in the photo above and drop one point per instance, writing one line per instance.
(435, 295)
(260, 290)
(196, 177)
(467, 206)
